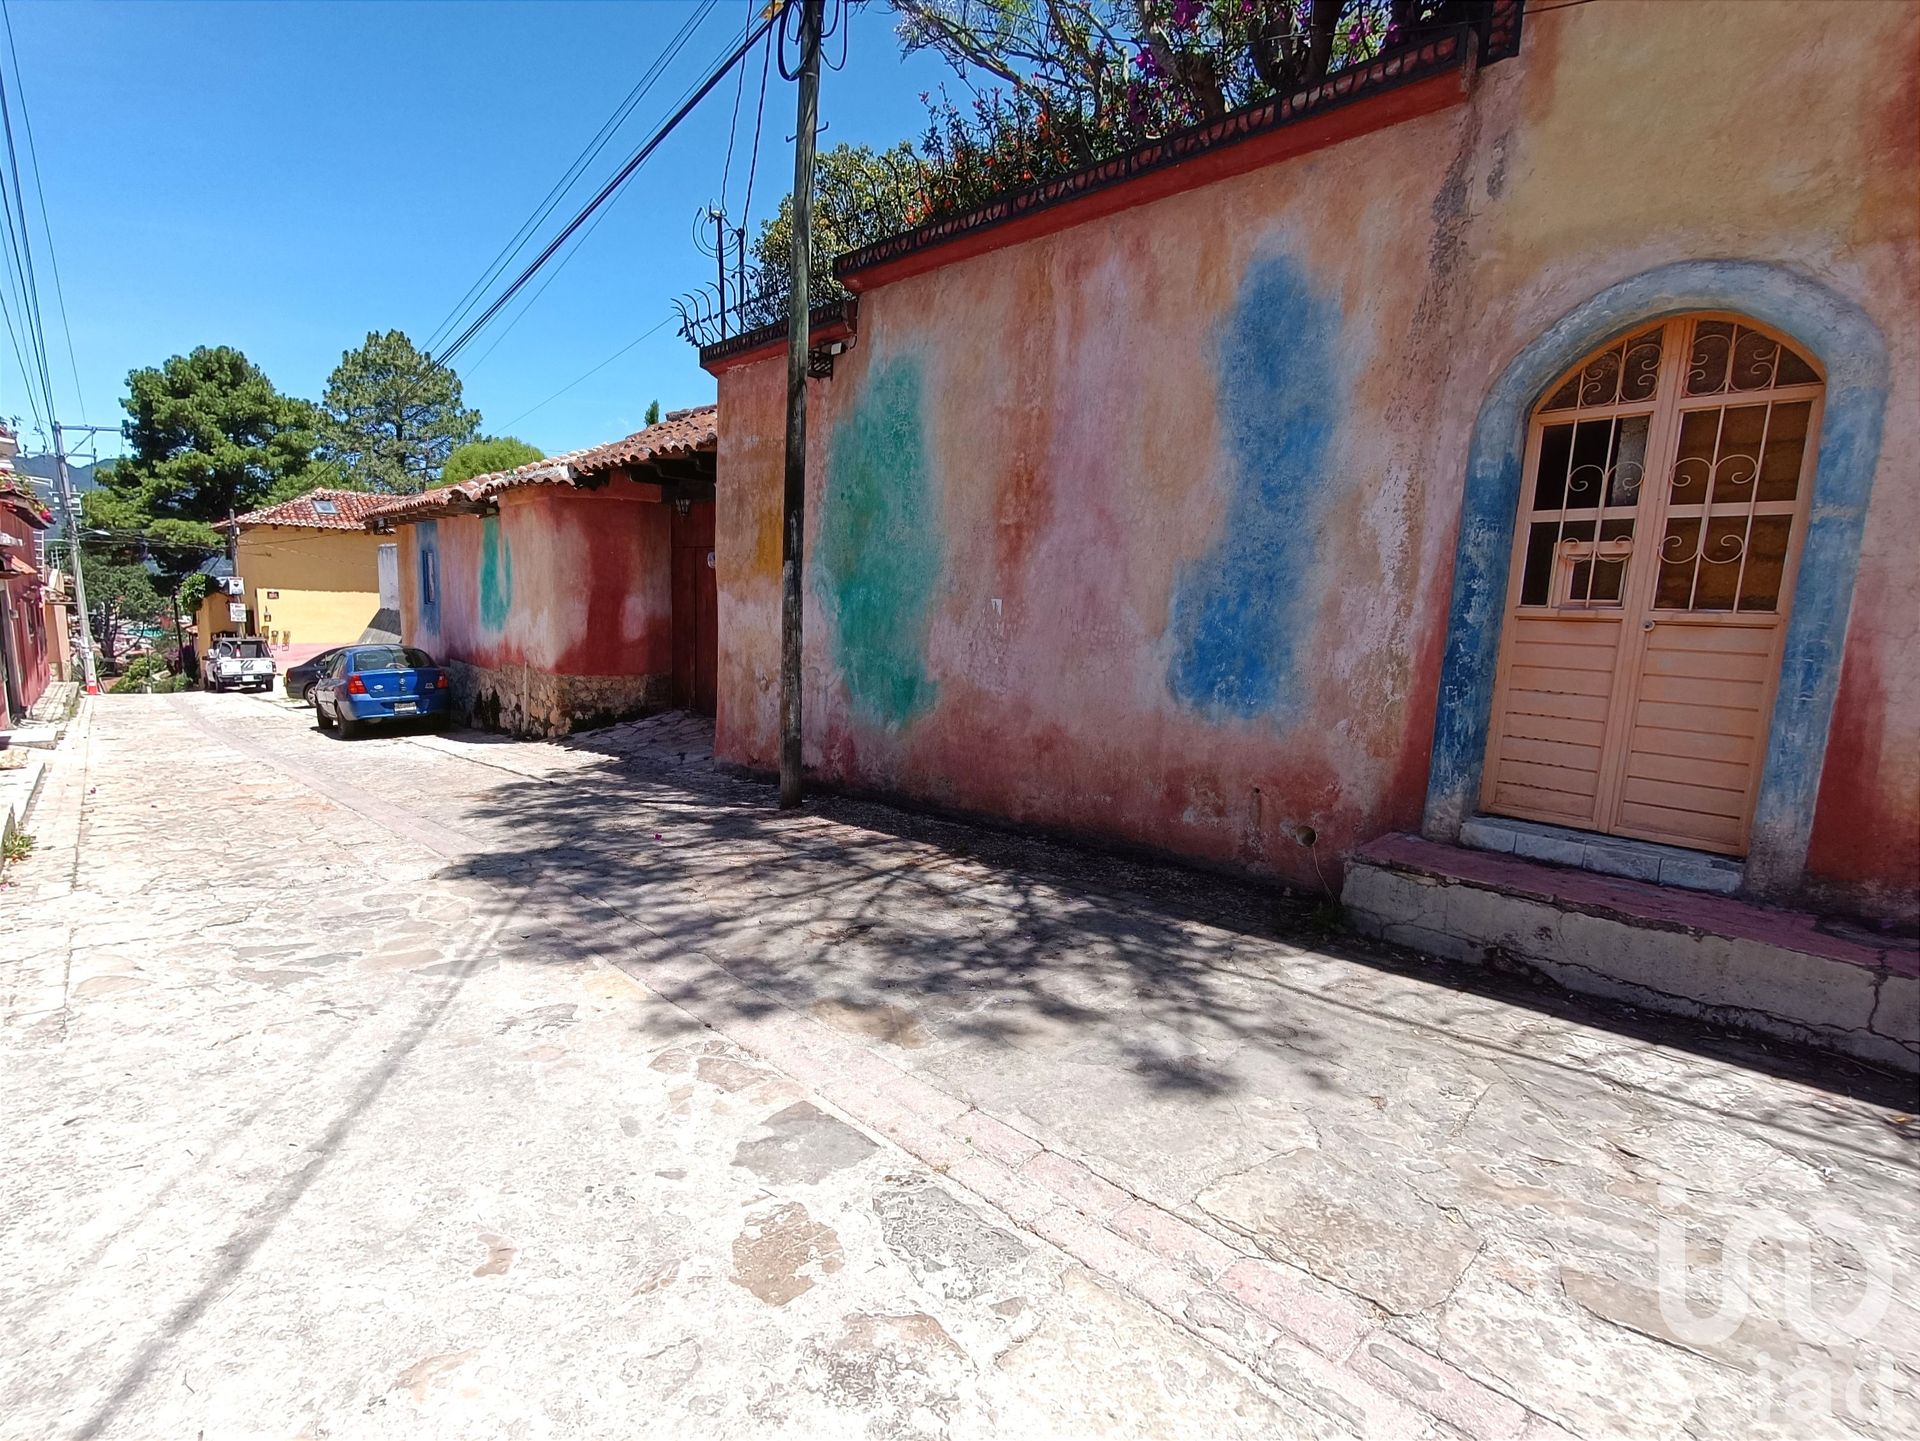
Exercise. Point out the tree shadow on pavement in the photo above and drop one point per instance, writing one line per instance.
(923, 933)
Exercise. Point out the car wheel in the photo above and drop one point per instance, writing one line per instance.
(349, 727)
(307, 696)
(320, 715)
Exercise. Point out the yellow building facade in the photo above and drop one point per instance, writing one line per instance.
(308, 577)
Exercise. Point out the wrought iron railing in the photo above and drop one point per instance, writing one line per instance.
(844, 310)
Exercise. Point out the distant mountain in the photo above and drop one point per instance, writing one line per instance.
(45, 468)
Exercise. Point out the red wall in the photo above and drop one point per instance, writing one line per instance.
(28, 647)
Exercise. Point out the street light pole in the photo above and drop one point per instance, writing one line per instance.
(87, 665)
(794, 498)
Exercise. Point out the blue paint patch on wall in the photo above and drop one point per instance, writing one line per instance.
(496, 575)
(1850, 348)
(426, 582)
(1241, 614)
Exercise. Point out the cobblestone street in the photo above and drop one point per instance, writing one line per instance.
(442, 1085)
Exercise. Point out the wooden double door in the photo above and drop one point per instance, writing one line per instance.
(1661, 517)
(696, 610)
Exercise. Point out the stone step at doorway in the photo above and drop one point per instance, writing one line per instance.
(1777, 973)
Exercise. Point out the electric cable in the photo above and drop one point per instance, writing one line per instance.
(650, 330)
(518, 242)
(605, 193)
(46, 220)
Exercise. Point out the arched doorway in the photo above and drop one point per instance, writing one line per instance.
(1661, 517)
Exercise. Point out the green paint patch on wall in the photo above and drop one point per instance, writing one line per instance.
(878, 554)
(496, 575)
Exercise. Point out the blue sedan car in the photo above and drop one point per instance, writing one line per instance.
(366, 683)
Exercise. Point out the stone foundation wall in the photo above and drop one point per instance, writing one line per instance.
(523, 701)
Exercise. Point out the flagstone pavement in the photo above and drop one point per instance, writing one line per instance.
(441, 1085)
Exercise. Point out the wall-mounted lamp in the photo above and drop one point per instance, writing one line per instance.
(681, 505)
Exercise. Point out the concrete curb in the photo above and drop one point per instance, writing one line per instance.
(18, 793)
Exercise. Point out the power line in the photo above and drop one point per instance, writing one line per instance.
(588, 376)
(565, 260)
(46, 219)
(518, 242)
(607, 191)
(20, 243)
(26, 376)
(759, 116)
(733, 125)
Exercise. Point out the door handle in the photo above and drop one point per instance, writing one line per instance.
(1646, 625)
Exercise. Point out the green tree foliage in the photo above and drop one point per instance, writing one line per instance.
(193, 590)
(116, 528)
(1150, 65)
(1061, 84)
(210, 436)
(860, 195)
(148, 673)
(653, 412)
(486, 455)
(392, 416)
(120, 598)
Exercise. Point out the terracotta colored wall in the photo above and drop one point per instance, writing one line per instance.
(569, 582)
(1148, 529)
(28, 640)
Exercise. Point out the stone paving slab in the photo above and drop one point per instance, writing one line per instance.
(1335, 1199)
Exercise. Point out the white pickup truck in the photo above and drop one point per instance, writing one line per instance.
(242, 664)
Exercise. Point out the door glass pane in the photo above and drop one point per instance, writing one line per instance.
(1699, 429)
(1719, 575)
(1629, 459)
(1679, 550)
(1536, 579)
(1755, 359)
(1624, 372)
(1794, 370)
(1786, 449)
(1766, 563)
(1640, 367)
(1726, 356)
(1550, 485)
(1738, 462)
(1581, 463)
(1587, 475)
(1708, 360)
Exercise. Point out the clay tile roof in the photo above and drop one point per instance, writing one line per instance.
(317, 510)
(680, 434)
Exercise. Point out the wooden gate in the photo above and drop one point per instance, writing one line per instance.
(696, 605)
(1659, 532)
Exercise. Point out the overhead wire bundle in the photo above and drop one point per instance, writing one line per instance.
(594, 206)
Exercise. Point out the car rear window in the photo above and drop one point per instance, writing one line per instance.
(251, 649)
(392, 657)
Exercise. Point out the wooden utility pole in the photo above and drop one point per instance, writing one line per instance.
(88, 669)
(794, 506)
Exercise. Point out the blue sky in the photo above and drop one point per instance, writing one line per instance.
(286, 177)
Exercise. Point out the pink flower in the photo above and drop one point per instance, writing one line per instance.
(1185, 12)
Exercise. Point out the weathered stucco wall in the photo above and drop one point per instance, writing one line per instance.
(29, 644)
(561, 583)
(1149, 529)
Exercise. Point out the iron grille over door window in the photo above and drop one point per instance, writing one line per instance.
(1666, 489)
